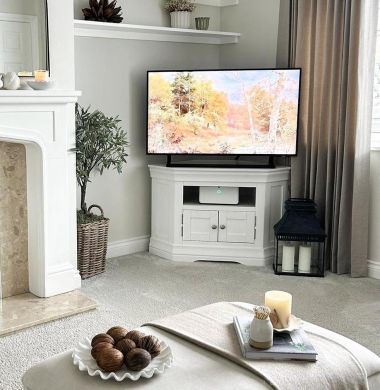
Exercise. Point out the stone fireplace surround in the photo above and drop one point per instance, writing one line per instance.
(44, 122)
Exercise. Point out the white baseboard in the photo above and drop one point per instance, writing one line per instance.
(127, 247)
(374, 269)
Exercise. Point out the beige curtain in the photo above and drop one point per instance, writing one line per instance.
(333, 41)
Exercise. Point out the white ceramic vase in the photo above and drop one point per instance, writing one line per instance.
(11, 81)
(261, 333)
(180, 19)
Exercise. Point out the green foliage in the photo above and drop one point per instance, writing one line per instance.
(179, 5)
(100, 144)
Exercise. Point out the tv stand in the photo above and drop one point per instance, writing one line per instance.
(235, 163)
(183, 229)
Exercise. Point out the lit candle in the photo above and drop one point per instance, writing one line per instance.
(41, 76)
(304, 262)
(288, 253)
(280, 303)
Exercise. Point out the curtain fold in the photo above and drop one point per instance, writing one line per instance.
(333, 42)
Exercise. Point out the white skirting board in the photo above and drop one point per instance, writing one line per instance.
(127, 247)
(374, 269)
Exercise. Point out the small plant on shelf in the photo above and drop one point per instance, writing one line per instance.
(180, 11)
(100, 145)
(179, 6)
(103, 11)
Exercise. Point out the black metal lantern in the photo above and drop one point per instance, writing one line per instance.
(300, 240)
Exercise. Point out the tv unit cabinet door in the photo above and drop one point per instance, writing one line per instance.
(237, 226)
(200, 225)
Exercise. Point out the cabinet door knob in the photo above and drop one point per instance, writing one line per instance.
(222, 227)
(214, 227)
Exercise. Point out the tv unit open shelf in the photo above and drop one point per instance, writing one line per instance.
(183, 229)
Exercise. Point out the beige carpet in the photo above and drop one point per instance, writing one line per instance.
(139, 288)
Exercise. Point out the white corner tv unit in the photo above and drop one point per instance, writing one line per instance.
(183, 229)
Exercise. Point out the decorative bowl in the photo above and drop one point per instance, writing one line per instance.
(85, 362)
(41, 85)
(294, 324)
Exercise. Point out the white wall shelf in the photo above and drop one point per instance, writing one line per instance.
(84, 28)
(217, 3)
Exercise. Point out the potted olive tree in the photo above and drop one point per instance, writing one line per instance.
(180, 12)
(100, 144)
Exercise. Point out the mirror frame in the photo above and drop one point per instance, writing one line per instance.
(47, 53)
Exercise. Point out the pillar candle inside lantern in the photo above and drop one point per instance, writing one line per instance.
(41, 75)
(304, 262)
(288, 258)
(280, 303)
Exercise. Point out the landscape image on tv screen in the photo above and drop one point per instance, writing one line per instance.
(223, 112)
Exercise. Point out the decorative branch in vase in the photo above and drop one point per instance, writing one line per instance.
(100, 145)
(180, 12)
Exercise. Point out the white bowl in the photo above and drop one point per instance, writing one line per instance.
(41, 85)
(83, 359)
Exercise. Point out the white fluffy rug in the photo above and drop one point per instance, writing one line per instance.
(139, 288)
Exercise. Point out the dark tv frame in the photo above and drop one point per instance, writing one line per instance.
(235, 163)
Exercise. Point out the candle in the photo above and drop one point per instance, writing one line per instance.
(304, 262)
(288, 253)
(280, 303)
(41, 76)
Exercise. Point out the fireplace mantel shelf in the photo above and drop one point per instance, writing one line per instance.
(53, 96)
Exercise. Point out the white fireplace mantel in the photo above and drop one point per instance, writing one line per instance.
(44, 122)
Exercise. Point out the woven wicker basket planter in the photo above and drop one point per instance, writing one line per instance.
(92, 239)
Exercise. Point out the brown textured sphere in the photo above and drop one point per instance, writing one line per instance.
(137, 359)
(102, 338)
(117, 333)
(98, 347)
(135, 336)
(151, 344)
(125, 345)
(110, 359)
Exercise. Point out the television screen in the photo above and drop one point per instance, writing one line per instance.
(245, 112)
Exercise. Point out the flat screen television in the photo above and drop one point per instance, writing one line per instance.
(223, 112)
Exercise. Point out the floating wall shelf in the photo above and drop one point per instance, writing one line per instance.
(84, 28)
(217, 3)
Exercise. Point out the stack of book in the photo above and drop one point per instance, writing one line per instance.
(286, 345)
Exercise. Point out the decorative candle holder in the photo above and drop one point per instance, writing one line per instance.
(41, 76)
(299, 240)
(202, 23)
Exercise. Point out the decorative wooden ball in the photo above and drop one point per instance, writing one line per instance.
(110, 359)
(137, 359)
(117, 333)
(125, 345)
(151, 344)
(102, 338)
(98, 347)
(135, 336)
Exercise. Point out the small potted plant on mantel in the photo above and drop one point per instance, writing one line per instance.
(100, 144)
(180, 12)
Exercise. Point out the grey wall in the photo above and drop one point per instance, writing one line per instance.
(283, 34)
(257, 21)
(111, 74)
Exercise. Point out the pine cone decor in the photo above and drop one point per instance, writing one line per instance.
(103, 11)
